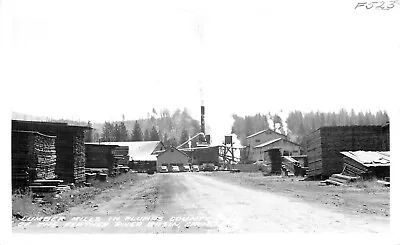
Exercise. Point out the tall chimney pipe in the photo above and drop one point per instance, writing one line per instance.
(203, 125)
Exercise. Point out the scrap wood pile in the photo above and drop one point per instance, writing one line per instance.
(33, 157)
(46, 190)
(325, 144)
(339, 179)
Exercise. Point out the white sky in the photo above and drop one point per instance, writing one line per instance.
(97, 60)
(252, 56)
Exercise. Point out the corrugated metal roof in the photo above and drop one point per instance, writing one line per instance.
(139, 150)
(369, 158)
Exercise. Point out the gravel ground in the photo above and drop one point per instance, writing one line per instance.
(200, 203)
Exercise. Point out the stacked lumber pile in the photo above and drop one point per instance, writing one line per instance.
(121, 156)
(106, 156)
(70, 163)
(273, 158)
(71, 157)
(33, 157)
(99, 156)
(325, 144)
(79, 157)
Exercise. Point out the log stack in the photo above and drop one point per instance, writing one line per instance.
(33, 157)
(325, 144)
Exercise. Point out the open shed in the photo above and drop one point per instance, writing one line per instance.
(366, 164)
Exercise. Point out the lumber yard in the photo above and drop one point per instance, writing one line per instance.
(63, 175)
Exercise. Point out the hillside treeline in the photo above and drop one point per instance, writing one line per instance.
(300, 124)
(171, 128)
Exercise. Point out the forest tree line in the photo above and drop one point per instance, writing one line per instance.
(171, 128)
(300, 124)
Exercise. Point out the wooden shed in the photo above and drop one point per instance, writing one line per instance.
(325, 144)
(366, 164)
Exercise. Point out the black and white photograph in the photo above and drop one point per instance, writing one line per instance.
(158, 118)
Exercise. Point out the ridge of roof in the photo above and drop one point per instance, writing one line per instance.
(273, 141)
(262, 131)
(172, 147)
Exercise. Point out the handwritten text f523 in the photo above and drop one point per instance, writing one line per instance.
(382, 5)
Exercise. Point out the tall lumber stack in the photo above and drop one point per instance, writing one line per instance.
(273, 157)
(71, 153)
(325, 144)
(79, 156)
(33, 157)
(100, 156)
(70, 150)
(120, 155)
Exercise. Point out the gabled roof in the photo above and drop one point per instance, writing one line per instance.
(175, 149)
(369, 158)
(273, 141)
(139, 150)
(262, 131)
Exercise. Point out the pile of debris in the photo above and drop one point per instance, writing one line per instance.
(33, 157)
(339, 179)
(47, 189)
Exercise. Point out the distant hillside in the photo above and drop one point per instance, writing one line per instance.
(169, 125)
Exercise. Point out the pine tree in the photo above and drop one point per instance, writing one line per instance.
(137, 134)
(123, 132)
(154, 134)
(116, 133)
(107, 134)
(146, 135)
(184, 136)
(88, 136)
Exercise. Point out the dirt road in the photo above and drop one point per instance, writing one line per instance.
(195, 203)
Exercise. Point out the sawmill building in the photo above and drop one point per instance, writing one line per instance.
(172, 157)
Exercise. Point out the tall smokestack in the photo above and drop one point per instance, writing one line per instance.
(203, 125)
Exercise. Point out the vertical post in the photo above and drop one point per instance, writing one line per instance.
(233, 156)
